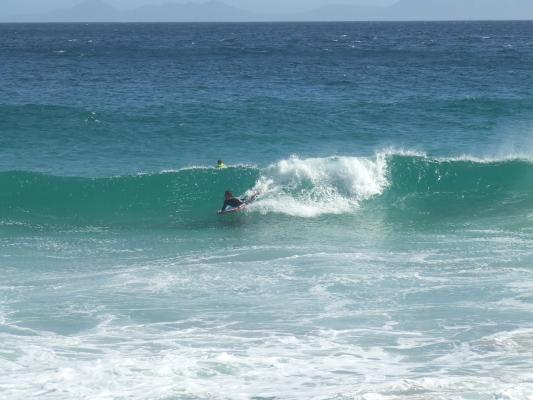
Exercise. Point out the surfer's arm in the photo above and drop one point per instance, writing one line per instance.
(224, 205)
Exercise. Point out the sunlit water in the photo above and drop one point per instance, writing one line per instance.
(388, 256)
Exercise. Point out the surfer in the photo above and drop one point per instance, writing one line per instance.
(231, 201)
(221, 165)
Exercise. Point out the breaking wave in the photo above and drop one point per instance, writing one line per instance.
(401, 183)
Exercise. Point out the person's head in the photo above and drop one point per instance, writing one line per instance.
(220, 162)
(228, 194)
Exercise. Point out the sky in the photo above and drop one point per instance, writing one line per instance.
(256, 10)
(14, 7)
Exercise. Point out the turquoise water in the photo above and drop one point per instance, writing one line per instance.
(388, 257)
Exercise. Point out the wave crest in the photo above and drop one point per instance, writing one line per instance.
(315, 186)
(403, 185)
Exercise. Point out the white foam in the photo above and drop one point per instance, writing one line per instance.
(315, 186)
(502, 155)
(268, 364)
(200, 167)
(305, 324)
(489, 159)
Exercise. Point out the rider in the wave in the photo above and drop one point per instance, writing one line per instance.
(231, 201)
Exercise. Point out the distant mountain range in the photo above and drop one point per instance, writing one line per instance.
(100, 11)
(213, 10)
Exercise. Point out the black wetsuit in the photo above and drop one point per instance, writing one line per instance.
(233, 202)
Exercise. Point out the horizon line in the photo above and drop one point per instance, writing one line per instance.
(265, 21)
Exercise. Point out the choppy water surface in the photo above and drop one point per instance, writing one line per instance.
(388, 257)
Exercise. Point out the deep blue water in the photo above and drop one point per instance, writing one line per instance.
(176, 95)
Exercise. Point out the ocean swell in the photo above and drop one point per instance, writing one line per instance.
(407, 184)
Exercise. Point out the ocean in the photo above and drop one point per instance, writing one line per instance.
(389, 255)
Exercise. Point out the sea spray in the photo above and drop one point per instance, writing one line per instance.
(315, 186)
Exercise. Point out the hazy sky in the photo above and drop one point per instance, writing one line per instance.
(12, 7)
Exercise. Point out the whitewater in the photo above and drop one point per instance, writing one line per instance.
(388, 255)
(125, 305)
(412, 184)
